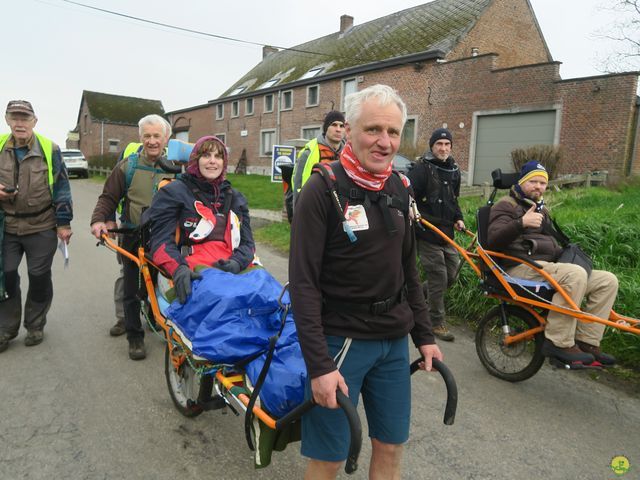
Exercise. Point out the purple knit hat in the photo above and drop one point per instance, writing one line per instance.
(192, 165)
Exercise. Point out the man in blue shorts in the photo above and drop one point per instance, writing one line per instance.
(356, 294)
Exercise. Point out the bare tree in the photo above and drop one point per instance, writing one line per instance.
(626, 31)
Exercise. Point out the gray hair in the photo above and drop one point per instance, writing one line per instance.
(154, 119)
(383, 93)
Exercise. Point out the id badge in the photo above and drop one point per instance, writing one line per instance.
(357, 218)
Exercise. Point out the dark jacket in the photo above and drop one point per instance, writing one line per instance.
(324, 264)
(507, 235)
(174, 205)
(436, 186)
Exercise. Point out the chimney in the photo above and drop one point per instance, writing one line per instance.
(268, 50)
(346, 22)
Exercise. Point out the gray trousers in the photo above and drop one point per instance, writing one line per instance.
(39, 249)
(118, 293)
(440, 263)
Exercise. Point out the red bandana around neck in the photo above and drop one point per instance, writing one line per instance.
(356, 172)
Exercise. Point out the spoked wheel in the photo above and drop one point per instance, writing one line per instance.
(517, 361)
(185, 385)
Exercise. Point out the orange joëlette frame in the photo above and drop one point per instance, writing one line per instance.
(476, 256)
(143, 264)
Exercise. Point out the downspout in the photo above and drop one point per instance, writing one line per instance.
(635, 128)
(278, 120)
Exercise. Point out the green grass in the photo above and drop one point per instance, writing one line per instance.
(259, 190)
(276, 235)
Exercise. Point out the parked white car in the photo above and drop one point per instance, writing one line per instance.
(76, 163)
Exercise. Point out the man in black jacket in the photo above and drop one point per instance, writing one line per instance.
(357, 295)
(436, 184)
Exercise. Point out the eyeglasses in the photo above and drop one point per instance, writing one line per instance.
(13, 118)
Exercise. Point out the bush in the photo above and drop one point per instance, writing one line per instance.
(108, 160)
(547, 155)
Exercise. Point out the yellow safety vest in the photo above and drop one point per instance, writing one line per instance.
(47, 149)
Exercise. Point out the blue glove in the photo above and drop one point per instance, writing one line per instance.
(231, 266)
(182, 278)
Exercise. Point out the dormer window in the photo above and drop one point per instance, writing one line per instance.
(238, 91)
(269, 83)
(312, 73)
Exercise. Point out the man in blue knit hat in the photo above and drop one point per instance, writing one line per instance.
(520, 225)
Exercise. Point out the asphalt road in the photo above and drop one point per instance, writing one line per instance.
(75, 407)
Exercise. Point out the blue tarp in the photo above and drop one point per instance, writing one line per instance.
(230, 317)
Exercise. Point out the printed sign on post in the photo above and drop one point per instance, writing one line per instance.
(283, 155)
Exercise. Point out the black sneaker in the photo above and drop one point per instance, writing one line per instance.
(600, 356)
(34, 337)
(566, 355)
(136, 349)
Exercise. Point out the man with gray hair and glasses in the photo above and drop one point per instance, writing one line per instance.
(133, 181)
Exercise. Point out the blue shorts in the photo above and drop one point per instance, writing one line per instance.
(377, 369)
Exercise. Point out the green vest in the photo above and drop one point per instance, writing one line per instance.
(312, 159)
(47, 149)
(131, 148)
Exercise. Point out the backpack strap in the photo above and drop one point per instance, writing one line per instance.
(329, 178)
(399, 201)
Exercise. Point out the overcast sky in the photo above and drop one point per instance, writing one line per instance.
(54, 50)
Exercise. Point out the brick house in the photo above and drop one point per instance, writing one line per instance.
(479, 67)
(107, 123)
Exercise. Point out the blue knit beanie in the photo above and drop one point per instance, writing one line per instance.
(531, 169)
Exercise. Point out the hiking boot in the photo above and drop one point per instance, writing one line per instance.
(567, 355)
(136, 349)
(600, 356)
(443, 333)
(4, 342)
(34, 337)
(118, 329)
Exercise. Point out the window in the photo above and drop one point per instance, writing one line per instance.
(222, 136)
(220, 111)
(248, 106)
(85, 122)
(312, 73)
(409, 134)
(309, 133)
(267, 139)
(269, 83)
(313, 95)
(238, 91)
(287, 100)
(235, 108)
(183, 136)
(113, 145)
(268, 103)
(348, 86)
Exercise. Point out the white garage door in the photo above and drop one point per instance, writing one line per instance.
(498, 135)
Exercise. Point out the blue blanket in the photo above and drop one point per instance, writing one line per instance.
(230, 317)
